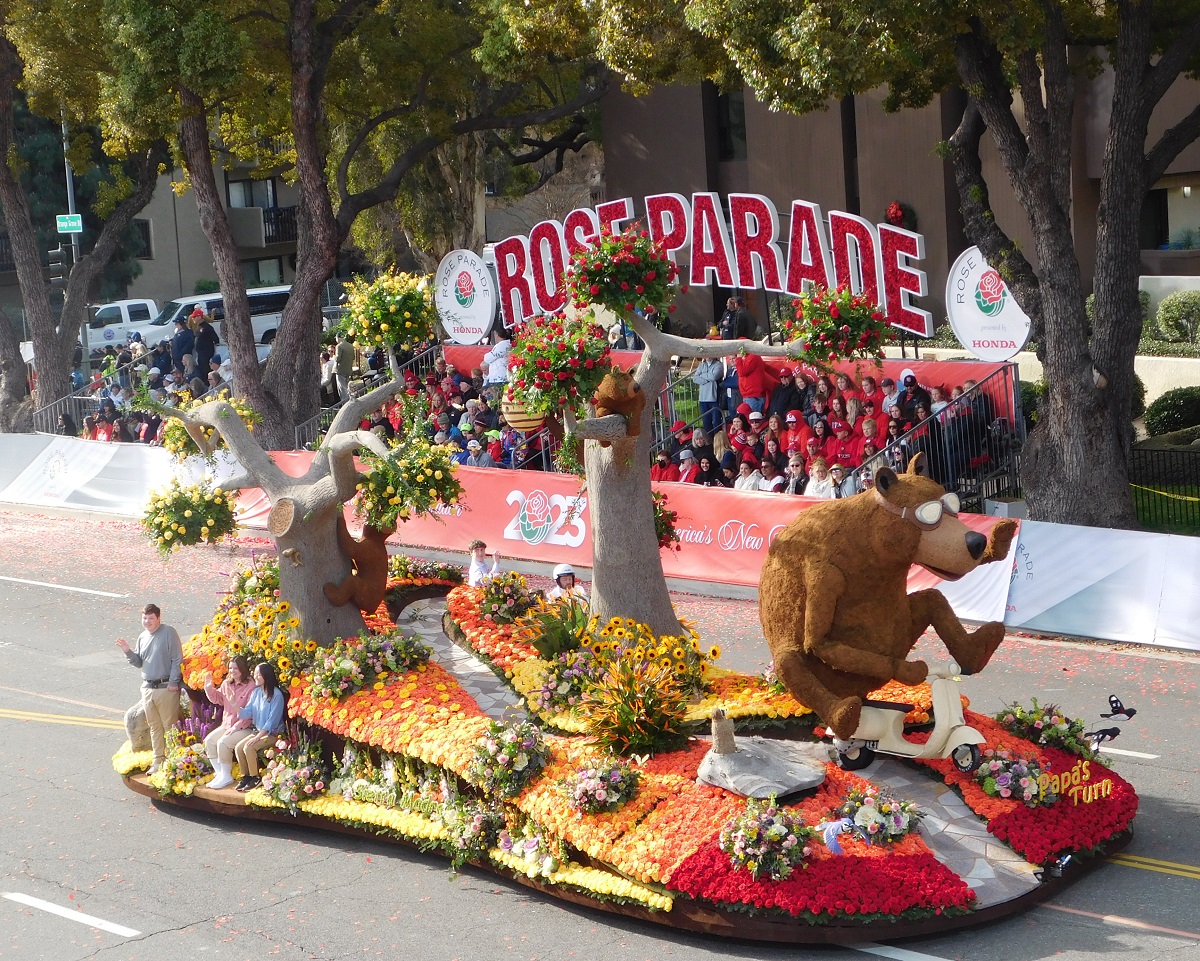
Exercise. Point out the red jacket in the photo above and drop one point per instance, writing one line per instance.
(844, 452)
(755, 379)
(668, 473)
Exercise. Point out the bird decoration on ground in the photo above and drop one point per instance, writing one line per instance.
(1119, 710)
(1096, 738)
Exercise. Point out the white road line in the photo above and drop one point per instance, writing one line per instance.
(64, 700)
(896, 954)
(70, 915)
(1116, 750)
(62, 587)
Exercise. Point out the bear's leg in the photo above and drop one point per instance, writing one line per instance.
(841, 715)
(339, 594)
(971, 650)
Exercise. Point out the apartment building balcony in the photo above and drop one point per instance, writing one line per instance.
(261, 226)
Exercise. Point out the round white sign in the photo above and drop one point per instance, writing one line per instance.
(465, 297)
(982, 310)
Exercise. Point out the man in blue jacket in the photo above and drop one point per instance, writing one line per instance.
(182, 344)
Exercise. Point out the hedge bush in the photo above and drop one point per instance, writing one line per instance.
(1175, 410)
(1089, 305)
(1179, 316)
(1137, 399)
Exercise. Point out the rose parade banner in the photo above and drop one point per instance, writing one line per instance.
(724, 535)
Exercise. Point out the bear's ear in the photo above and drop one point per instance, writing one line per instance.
(919, 465)
(885, 479)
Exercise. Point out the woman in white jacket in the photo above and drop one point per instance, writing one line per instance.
(820, 484)
(496, 361)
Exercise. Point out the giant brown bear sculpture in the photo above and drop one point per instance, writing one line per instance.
(833, 597)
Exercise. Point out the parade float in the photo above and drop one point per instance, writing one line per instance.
(602, 755)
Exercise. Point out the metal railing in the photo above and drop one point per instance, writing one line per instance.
(310, 430)
(84, 401)
(1166, 489)
(972, 446)
(279, 225)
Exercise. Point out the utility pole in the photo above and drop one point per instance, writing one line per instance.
(86, 361)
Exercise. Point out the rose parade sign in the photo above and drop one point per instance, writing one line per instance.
(464, 296)
(982, 310)
(741, 244)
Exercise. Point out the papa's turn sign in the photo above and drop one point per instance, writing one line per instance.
(464, 296)
(982, 310)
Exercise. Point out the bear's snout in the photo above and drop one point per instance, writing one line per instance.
(976, 544)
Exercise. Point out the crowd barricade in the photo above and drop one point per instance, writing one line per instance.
(1126, 586)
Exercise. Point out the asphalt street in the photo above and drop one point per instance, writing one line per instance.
(156, 882)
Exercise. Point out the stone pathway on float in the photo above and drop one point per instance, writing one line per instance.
(958, 838)
(495, 698)
(955, 835)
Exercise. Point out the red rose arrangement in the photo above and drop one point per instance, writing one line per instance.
(557, 362)
(837, 325)
(624, 272)
(664, 523)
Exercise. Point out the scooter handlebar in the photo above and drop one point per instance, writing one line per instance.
(944, 669)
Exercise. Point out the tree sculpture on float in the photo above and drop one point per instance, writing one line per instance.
(329, 577)
(630, 276)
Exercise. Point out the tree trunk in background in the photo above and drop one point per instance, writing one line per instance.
(236, 330)
(627, 574)
(15, 408)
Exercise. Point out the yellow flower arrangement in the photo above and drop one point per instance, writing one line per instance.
(395, 309)
(183, 515)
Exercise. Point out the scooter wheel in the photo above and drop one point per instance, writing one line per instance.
(862, 759)
(966, 757)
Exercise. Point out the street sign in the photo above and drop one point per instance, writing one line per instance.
(70, 223)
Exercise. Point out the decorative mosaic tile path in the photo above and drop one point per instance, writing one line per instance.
(493, 696)
(955, 835)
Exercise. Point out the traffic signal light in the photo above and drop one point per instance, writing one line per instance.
(58, 268)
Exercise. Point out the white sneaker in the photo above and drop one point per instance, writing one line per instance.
(154, 768)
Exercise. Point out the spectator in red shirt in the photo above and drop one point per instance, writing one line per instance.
(869, 392)
(842, 449)
(663, 469)
(797, 431)
(846, 388)
(688, 468)
(755, 381)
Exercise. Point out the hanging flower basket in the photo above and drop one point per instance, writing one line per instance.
(519, 416)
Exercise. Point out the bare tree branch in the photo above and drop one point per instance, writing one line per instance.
(610, 427)
(223, 418)
(668, 345)
(341, 458)
(1160, 77)
(353, 411)
(1169, 146)
(240, 482)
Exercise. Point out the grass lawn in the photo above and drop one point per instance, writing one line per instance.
(1171, 514)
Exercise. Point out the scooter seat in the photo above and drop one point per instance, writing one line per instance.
(888, 705)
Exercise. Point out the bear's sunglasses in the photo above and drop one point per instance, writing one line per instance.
(926, 516)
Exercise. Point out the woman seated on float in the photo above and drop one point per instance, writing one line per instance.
(267, 712)
(233, 695)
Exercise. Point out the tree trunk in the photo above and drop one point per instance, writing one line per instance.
(53, 361)
(627, 574)
(310, 558)
(236, 329)
(15, 408)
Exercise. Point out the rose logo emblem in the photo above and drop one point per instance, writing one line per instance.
(990, 293)
(535, 521)
(464, 289)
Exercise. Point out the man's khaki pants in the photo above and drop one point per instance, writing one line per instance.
(162, 711)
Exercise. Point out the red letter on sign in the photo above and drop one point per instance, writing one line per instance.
(901, 282)
(581, 229)
(757, 255)
(613, 212)
(857, 269)
(672, 209)
(710, 242)
(547, 261)
(808, 251)
(512, 272)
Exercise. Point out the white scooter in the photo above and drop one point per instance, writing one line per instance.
(881, 728)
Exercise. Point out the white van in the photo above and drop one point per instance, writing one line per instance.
(112, 323)
(266, 309)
